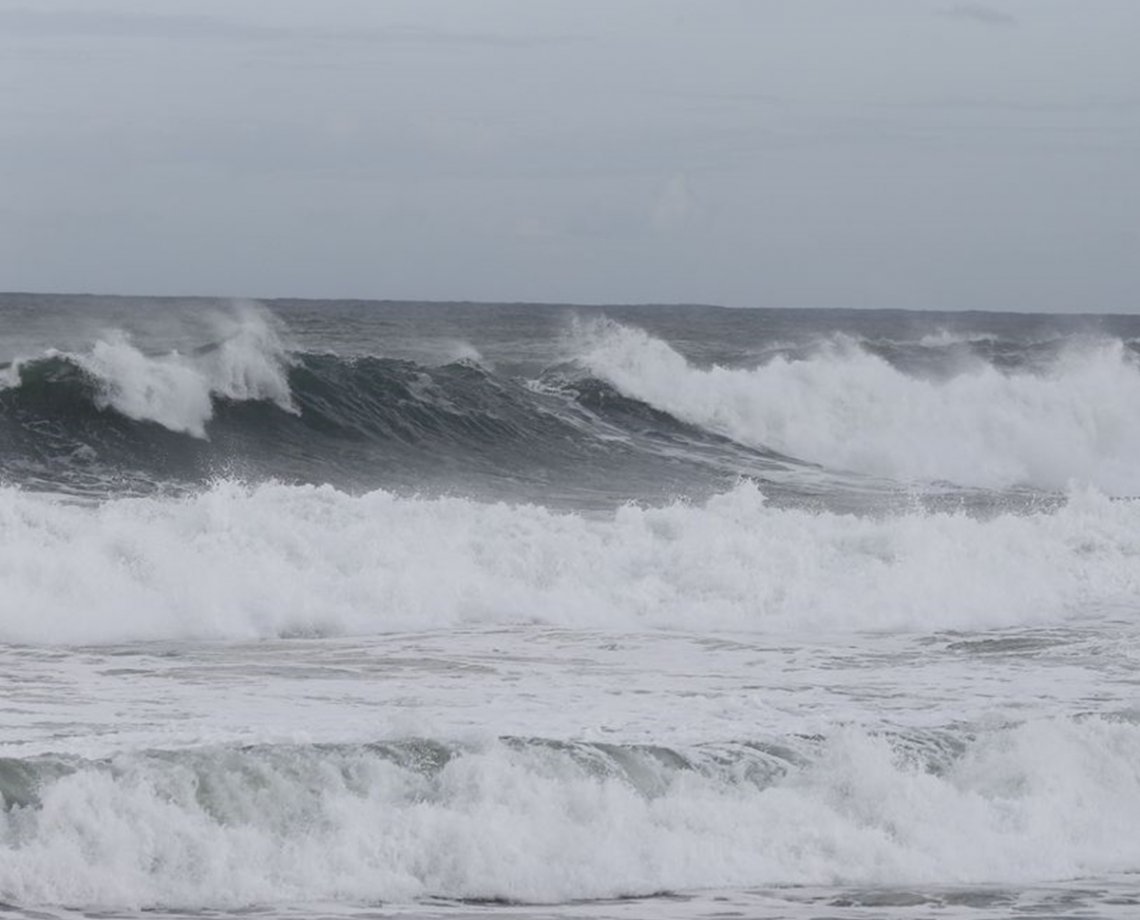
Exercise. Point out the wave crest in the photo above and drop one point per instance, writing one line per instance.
(1077, 419)
(553, 822)
(247, 361)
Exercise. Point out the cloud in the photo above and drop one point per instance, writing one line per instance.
(423, 35)
(673, 205)
(980, 13)
(114, 24)
(108, 24)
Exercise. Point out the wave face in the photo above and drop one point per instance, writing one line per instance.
(115, 417)
(1073, 417)
(541, 821)
(577, 410)
(172, 390)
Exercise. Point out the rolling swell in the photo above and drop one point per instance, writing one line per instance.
(70, 423)
(589, 412)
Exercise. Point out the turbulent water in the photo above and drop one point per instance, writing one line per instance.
(352, 609)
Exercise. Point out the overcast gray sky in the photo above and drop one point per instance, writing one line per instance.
(866, 153)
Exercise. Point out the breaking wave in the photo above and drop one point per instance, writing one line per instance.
(116, 419)
(237, 561)
(542, 821)
(1076, 418)
(174, 390)
(624, 412)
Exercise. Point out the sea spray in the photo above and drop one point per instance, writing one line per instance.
(245, 360)
(1075, 420)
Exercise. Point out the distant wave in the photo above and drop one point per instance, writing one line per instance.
(245, 562)
(115, 416)
(623, 412)
(1073, 418)
(527, 820)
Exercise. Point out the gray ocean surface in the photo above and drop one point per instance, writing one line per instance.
(378, 609)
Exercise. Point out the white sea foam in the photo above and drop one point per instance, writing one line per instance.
(944, 338)
(1078, 421)
(461, 350)
(1046, 800)
(238, 561)
(176, 390)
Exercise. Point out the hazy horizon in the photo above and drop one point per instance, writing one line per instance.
(890, 154)
(239, 299)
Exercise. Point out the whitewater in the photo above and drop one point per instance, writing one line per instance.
(342, 608)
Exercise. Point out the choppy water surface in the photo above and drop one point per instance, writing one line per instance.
(360, 609)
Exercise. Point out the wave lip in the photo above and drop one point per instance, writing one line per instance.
(248, 361)
(1075, 420)
(553, 822)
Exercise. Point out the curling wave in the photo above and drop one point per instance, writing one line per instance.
(173, 390)
(1073, 417)
(116, 418)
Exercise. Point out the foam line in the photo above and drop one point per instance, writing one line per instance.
(224, 827)
(239, 562)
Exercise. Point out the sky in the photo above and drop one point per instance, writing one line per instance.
(921, 154)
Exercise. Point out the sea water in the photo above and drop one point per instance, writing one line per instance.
(359, 609)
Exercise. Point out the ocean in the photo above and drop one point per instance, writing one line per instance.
(376, 609)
